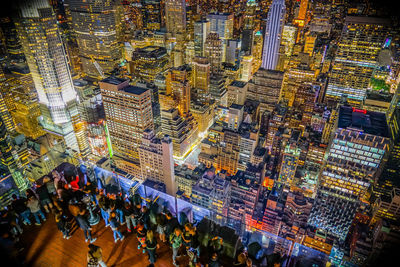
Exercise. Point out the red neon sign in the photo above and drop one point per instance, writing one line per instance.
(360, 110)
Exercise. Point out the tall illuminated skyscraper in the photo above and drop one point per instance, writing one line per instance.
(128, 113)
(96, 27)
(178, 90)
(201, 80)
(213, 51)
(152, 14)
(44, 51)
(353, 166)
(221, 23)
(249, 26)
(9, 158)
(156, 160)
(301, 14)
(391, 172)
(175, 14)
(265, 87)
(201, 31)
(356, 58)
(4, 111)
(290, 161)
(273, 34)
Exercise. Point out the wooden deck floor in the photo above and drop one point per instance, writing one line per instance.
(45, 247)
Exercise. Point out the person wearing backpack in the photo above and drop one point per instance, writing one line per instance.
(95, 257)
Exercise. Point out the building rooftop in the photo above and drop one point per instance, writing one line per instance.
(134, 90)
(366, 20)
(379, 96)
(238, 84)
(113, 80)
(219, 14)
(19, 68)
(80, 82)
(236, 106)
(370, 122)
(260, 151)
(150, 52)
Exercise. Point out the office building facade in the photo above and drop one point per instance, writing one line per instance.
(353, 165)
(128, 113)
(356, 58)
(175, 14)
(96, 27)
(156, 161)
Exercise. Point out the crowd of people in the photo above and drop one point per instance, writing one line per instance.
(73, 202)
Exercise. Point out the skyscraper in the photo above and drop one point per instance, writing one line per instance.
(213, 51)
(152, 14)
(249, 26)
(221, 23)
(128, 114)
(92, 114)
(46, 58)
(9, 158)
(177, 90)
(201, 31)
(265, 86)
(289, 164)
(356, 58)
(96, 24)
(273, 34)
(201, 80)
(353, 165)
(391, 172)
(4, 111)
(175, 14)
(182, 131)
(156, 161)
(149, 61)
(301, 14)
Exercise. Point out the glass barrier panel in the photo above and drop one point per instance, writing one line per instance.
(308, 256)
(165, 201)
